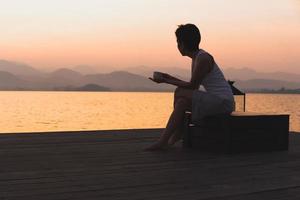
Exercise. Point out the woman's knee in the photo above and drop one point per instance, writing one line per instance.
(179, 99)
(178, 91)
(182, 103)
(183, 92)
(184, 95)
(176, 95)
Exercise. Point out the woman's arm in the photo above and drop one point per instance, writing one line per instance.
(164, 78)
(202, 67)
(168, 76)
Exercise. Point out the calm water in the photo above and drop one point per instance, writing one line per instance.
(57, 111)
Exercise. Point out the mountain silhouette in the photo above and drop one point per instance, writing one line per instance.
(258, 84)
(88, 87)
(18, 69)
(60, 78)
(21, 76)
(93, 87)
(125, 81)
(148, 71)
(85, 69)
(10, 81)
(247, 74)
(230, 73)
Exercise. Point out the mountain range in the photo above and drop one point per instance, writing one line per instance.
(18, 76)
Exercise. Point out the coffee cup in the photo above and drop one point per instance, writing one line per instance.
(157, 75)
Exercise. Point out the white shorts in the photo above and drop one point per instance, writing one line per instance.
(205, 104)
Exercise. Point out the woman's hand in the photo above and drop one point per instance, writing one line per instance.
(164, 79)
(161, 80)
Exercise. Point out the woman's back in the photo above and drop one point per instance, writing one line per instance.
(215, 83)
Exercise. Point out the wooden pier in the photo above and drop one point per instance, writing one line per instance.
(112, 165)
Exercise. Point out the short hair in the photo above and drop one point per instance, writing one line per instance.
(190, 35)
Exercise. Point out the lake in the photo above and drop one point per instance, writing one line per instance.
(28, 111)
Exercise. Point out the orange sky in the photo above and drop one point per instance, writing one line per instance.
(263, 35)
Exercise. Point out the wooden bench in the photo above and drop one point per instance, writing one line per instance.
(237, 132)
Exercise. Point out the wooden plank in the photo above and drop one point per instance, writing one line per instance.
(117, 168)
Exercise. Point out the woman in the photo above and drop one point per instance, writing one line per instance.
(217, 97)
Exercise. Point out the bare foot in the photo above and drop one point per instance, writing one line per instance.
(157, 146)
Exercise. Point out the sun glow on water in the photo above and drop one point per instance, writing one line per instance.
(73, 111)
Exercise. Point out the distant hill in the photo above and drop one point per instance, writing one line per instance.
(281, 91)
(85, 69)
(259, 84)
(125, 81)
(15, 76)
(248, 74)
(88, 87)
(60, 78)
(230, 73)
(92, 87)
(65, 73)
(10, 81)
(68, 79)
(148, 71)
(18, 69)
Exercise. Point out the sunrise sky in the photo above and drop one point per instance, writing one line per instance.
(262, 35)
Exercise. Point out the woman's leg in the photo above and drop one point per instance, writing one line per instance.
(182, 103)
(177, 135)
(181, 93)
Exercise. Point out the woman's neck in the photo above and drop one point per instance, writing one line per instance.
(193, 54)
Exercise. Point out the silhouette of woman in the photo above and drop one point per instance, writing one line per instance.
(217, 97)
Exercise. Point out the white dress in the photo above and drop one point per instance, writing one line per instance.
(217, 97)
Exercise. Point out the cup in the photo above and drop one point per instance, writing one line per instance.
(157, 75)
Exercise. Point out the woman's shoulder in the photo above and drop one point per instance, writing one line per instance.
(204, 57)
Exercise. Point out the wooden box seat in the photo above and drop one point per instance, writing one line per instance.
(238, 132)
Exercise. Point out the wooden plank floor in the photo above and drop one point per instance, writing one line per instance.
(111, 165)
